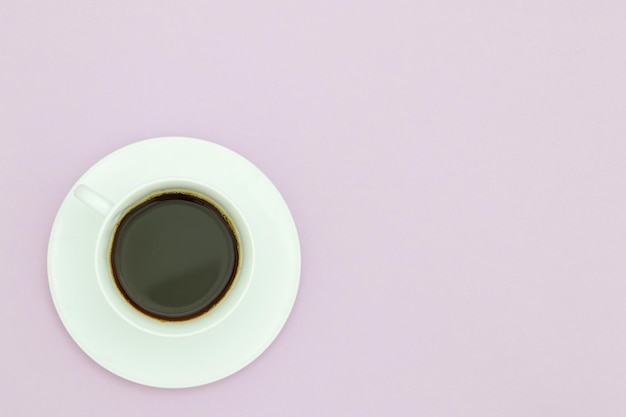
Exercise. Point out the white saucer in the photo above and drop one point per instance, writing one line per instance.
(175, 362)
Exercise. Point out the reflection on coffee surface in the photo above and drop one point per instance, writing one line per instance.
(174, 256)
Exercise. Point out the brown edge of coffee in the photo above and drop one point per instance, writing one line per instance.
(231, 226)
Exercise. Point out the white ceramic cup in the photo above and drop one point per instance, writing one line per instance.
(113, 212)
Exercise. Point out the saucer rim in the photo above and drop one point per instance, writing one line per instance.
(195, 380)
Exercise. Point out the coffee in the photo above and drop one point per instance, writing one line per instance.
(174, 256)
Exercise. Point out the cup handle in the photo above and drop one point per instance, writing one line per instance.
(93, 200)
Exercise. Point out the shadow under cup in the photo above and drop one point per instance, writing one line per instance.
(175, 255)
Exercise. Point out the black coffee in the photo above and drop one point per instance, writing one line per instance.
(174, 256)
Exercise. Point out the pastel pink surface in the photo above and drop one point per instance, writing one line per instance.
(455, 169)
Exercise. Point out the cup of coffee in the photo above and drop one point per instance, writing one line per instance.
(173, 256)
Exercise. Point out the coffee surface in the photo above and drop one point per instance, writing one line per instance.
(174, 256)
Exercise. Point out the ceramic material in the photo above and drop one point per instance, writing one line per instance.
(173, 354)
(113, 212)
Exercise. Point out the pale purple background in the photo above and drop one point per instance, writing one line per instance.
(456, 169)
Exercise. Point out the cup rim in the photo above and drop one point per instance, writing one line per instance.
(133, 316)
